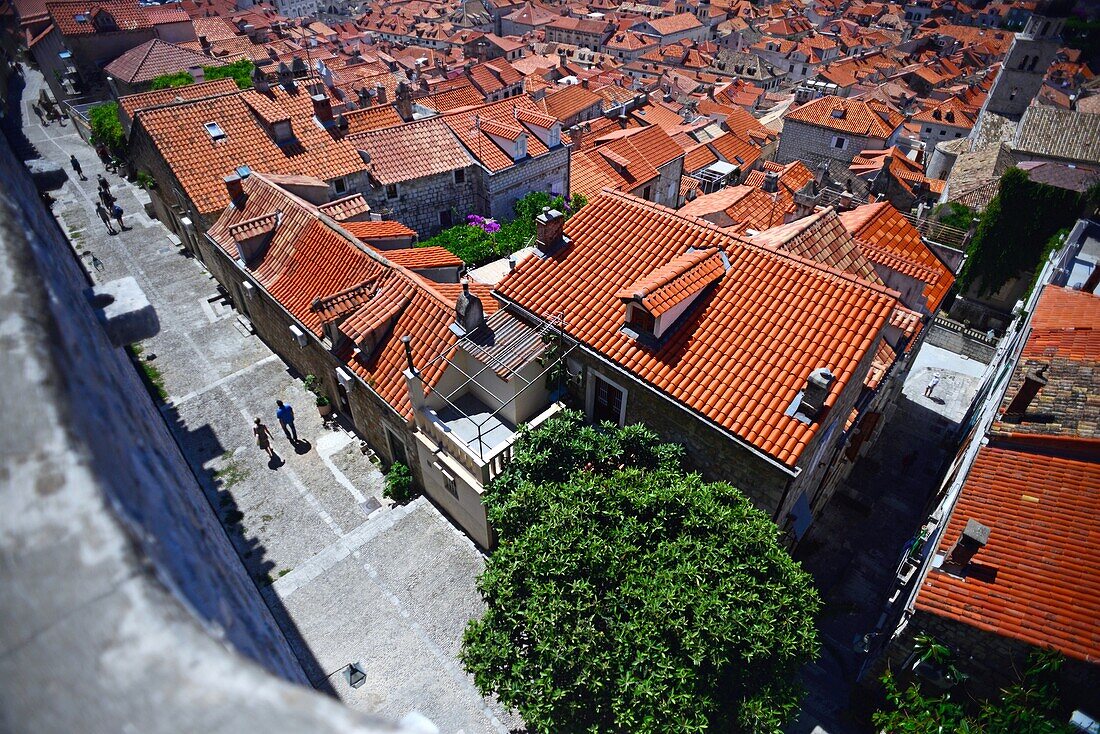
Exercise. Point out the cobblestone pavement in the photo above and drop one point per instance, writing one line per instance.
(349, 577)
(853, 550)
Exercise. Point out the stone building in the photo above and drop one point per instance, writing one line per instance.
(1025, 66)
(994, 574)
(682, 332)
(836, 129)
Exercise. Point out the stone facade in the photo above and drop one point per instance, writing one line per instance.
(1025, 67)
(665, 189)
(500, 191)
(431, 203)
(812, 144)
(92, 52)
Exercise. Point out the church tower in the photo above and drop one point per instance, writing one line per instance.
(1025, 65)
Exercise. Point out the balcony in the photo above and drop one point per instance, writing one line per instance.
(472, 434)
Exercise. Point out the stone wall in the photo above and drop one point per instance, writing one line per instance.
(810, 144)
(991, 661)
(125, 604)
(92, 52)
(549, 172)
(954, 337)
(420, 202)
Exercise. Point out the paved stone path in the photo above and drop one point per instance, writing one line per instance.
(349, 577)
(853, 550)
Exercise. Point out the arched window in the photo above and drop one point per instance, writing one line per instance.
(1023, 63)
(1034, 60)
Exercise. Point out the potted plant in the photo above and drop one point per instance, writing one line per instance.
(324, 406)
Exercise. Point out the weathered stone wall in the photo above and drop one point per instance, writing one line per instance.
(961, 340)
(549, 172)
(810, 144)
(420, 202)
(125, 604)
(991, 661)
(91, 53)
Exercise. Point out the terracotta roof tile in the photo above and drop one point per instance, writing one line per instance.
(200, 161)
(346, 208)
(79, 18)
(378, 230)
(675, 282)
(151, 59)
(570, 101)
(745, 349)
(131, 103)
(411, 150)
(1046, 587)
(423, 258)
(870, 118)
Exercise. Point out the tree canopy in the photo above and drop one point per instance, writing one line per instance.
(106, 126)
(1015, 229)
(628, 595)
(239, 71)
(481, 240)
(1030, 706)
(173, 80)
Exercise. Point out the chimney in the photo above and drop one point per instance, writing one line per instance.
(816, 392)
(404, 102)
(380, 94)
(771, 182)
(407, 341)
(322, 108)
(973, 538)
(1034, 381)
(549, 227)
(469, 313)
(821, 173)
(235, 186)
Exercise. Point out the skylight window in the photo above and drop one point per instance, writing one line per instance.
(215, 130)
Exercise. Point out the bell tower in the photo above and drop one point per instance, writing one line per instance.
(1025, 66)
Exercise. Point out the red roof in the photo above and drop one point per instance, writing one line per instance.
(153, 58)
(672, 284)
(1043, 555)
(742, 353)
(870, 118)
(77, 18)
(378, 230)
(411, 150)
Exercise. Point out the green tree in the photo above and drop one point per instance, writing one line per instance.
(627, 595)
(1030, 706)
(1015, 229)
(106, 127)
(238, 71)
(173, 80)
(399, 484)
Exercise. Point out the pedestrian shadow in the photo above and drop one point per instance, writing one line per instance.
(301, 446)
(12, 122)
(275, 462)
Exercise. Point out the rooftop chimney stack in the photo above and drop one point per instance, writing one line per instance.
(380, 94)
(322, 108)
(771, 182)
(973, 538)
(407, 341)
(235, 186)
(549, 231)
(469, 313)
(1034, 381)
(816, 392)
(403, 102)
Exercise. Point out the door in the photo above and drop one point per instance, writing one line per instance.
(607, 403)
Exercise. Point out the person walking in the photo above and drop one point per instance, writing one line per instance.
(107, 198)
(105, 216)
(76, 167)
(38, 113)
(285, 414)
(104, 184)
(263, 438)
(116, 212)
(932, 385)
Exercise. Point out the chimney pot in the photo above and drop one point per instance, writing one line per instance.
(407, 342)
(771, 182)
(322, 107)
(234, 186)
(816, 392)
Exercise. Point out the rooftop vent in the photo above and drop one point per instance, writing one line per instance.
(771, 182)
(838, 113)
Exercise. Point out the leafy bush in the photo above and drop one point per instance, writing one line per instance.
(106, 126)
(1016, 227)
(173, 80)
(628, 595)
(1031, 706)
(481, 240)
(312, 384)
(399, 484)
(145, 180)
(238, 71)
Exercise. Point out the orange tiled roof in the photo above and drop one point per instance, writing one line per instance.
(371, 118)
(423, 258)
(465, 124)
(822, 237)
(81, 18)
(131, 103)
(885, 229)
(410, 151)
(350, 206)
(1046, 590)
(873, 119)
(151, 59)
(378, 230)
(572, 100)
(200, 162)
(739, 356)
(672, 284)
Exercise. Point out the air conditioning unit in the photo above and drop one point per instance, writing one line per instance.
(299, 335)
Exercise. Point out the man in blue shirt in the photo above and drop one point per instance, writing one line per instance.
(285, 414)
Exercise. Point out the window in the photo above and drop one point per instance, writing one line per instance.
(445, 218)
(839, 143)
(391, 191)
(449, 482)
(608, 401)
(460, 175)
(647, 192)
(928, 129)
(397, 448)
(214, 130)
(943, 132)
(640, 320)
(341, 185)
